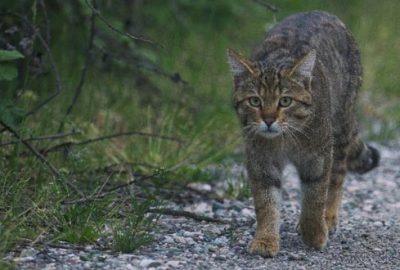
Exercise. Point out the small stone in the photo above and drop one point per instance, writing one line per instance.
(147, 263)
(221, 241)
(180, 239)
(296, 257)
(168, 239)
(217, 206)
(173, 264)
(212, 248)
(200, 187)
(190, 241)
(246, 212)
(28, 252)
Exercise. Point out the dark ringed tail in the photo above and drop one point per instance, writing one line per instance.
(362, 157)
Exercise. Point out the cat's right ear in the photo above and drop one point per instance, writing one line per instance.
(239, 65)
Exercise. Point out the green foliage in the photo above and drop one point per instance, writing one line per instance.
(10, 55)
(10, 113)
(81, 224)
(134, 230)
(6, 265)
(8, 71)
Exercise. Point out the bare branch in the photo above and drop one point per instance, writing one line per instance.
(268, 6)
(98, 14)
(101, 195)
(53, 66)
(140, 62)
(88, 57)
(46, 20)
(47, 163)
(42, 138)
(180, 213)
(109, 137)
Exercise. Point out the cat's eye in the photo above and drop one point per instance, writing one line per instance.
(255, 101)
(285, 101)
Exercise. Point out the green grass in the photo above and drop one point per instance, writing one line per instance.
(200, 114)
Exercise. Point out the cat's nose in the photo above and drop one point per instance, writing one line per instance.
(269, 121)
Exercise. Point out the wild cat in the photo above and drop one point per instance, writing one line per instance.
(295, 99)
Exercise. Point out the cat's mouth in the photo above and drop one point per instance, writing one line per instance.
(269, 131)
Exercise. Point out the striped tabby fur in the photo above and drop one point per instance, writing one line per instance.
(295, 99)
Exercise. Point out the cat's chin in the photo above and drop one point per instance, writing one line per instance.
(269, 134)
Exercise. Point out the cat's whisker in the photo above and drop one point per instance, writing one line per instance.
(292, 136)
(299, 131)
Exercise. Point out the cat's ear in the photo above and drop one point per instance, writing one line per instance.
(239, 64)
(305, 66)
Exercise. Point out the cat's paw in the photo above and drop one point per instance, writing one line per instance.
(264, 247)
(332, 222)
(314, 235)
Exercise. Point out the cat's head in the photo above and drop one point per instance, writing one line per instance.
(272, 99)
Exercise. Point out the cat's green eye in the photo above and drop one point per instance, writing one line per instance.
(285, 101)
(255, 102)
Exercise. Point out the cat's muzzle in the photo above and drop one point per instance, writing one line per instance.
(269, 131)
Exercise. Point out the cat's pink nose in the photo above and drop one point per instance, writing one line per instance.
(269, 121)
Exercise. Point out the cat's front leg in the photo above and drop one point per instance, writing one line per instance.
(266, 194)
(314, 176)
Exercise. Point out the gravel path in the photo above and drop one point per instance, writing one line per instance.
(369, 235)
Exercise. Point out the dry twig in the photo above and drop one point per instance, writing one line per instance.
(41, 138)
(88, 57)
(187, 214)
(98, 14)
(108, 137)
(101, 195)
(47, 163)
(268, 6)
(58, 86)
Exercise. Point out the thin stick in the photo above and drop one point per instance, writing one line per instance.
(46, 20)
(47, 163)
(268, 6)
(180, 213)
(88, 57)
(89, 199)
(98, 14)
(42, 138)
(51, 60)
(112, 136)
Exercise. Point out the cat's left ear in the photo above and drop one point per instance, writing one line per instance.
(239, 65)
(305, 66)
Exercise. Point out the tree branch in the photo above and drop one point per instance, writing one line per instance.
(101, 195)
(108, 137)
(51, 59)
(88, 57)
(42, 138)
(180, 213)
(268, 6)
(50, 166)
(98, 14)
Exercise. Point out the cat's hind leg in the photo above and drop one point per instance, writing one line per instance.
(314, 174)
(335, 189)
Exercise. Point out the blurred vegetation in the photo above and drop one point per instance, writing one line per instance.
(172, 81)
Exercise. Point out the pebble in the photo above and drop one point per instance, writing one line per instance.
(173, 264)
(148, 263)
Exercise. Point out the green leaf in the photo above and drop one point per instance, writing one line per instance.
(8, 72)
(10, 55)
(10, 113)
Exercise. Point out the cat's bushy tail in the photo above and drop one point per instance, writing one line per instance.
(362, 157)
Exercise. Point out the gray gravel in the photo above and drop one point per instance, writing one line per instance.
(369, 235)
